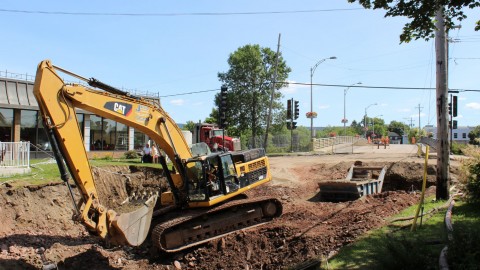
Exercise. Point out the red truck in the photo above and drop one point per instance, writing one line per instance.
(214, 137)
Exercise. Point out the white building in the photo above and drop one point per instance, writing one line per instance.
(459, 135)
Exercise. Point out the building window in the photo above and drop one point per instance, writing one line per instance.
(6, 125)
(106, 134)
(28, 128)
(464, 135)
(95, 132)
(139, 140)
(121, 142)
(80, 120)
(42, 137)
(455, 135)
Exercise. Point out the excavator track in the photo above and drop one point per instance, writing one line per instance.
(200, 226)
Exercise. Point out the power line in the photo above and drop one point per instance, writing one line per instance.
(190, 93)
(336, 85)
(174, 14)
(380, 87)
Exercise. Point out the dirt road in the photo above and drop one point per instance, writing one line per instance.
(40, 217)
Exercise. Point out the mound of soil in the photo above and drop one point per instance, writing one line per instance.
(35, 218)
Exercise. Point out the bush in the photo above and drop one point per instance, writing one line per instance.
(131, 154)
(457, 148)
(471, 173)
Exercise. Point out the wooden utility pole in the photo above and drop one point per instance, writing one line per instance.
(419, 125)
(269, 117)
(442, 109)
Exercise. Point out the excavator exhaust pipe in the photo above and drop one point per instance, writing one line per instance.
(132, 228)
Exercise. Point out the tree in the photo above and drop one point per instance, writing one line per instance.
(249, 80)
(474, 136)
(421, 13)
(190, 126)
(398, 127)
(357, 127)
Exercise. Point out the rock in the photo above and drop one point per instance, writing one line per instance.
(13, 250)
(177, 265)
(4, 249)
(119, 261)
(221, 244)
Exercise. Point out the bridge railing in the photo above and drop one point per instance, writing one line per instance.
(326, 144)
(14, 154)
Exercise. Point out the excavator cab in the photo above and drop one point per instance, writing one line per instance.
(211, 176)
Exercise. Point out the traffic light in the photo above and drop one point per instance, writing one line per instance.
(297, 110)
(454, 106)
(454, 125)
(450, 108)
(223, 106)
(291, 125)
(289, 109)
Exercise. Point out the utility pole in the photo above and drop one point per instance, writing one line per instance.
(442, 108)
(269, 118)
(419, 110)
(411, 121)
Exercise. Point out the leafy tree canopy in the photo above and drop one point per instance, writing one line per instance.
(398, 127)
(421, 14)
(249, 82)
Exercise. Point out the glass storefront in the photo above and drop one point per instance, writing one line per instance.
(28, 129)
(6, 125)
(106, 134)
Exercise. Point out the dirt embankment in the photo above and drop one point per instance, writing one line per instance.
(41, 217)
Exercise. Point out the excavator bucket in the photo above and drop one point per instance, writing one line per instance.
(132, 228)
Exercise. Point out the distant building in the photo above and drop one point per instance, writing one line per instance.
(394, 138)
(459, 135)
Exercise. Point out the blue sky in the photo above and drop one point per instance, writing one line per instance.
(183, 53)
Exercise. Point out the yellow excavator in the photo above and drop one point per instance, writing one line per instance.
(206, 196)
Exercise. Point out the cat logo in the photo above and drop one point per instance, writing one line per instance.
(118, 107)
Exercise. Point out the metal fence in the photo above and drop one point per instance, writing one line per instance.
(323, 144)
(303, 143)
(14, 154)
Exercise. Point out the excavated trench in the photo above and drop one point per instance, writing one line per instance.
(41, 217)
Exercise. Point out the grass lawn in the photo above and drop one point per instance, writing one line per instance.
(46, 170)
(397, 247)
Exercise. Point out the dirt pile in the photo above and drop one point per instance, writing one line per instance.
(41, 217)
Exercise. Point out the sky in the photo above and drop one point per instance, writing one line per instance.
(173, 48)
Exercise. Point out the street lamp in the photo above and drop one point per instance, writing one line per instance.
(345, 120)
(312, 70)
(365, 118)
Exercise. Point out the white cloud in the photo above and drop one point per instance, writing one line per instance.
(292, 88)
(473, 105)
(177, 102)
(323, 107)
(406, 110)
(462, 98)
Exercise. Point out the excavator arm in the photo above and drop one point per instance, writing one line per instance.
(58, 101)
(206, 190)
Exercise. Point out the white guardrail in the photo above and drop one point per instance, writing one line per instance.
(325, 143)
(15, 154)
